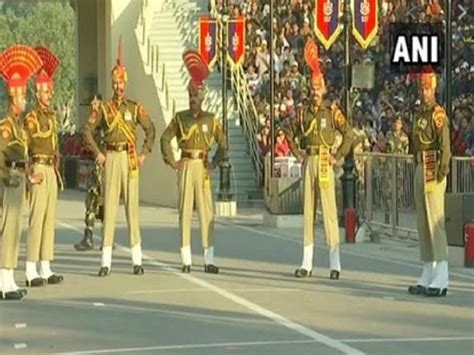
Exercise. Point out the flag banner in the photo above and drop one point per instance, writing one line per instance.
(236, 41)
(364, 21)
(328, 22)
(208, 40)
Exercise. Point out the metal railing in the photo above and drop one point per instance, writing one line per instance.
(153, 58)
(385, 189)
(249, 118)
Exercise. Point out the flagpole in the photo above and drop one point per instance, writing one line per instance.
(272, 96)
(348, 178)
(224, 194)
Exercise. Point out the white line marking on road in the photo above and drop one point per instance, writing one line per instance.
(257, 343)
(343, 250)
(388, 298)
(403, 340)
(247, 304)
(20, 346)
(186, 290)
(20, 325)
(98, 304)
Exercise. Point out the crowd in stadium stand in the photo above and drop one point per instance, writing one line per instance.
(373, 110)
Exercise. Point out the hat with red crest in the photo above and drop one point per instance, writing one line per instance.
(197, 69)
(50, 64)
(118, 71)
(428, 78)
(17, 64)
(311, 56)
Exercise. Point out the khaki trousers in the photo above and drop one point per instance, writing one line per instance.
(14, 199)
(42, 201)
(195, 185)
(117, 181)
(328, 203)
(430, 219)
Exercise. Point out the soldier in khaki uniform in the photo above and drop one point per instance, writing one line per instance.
(17, 64)
(42, 131)
(320, 122)
(196, 131)
(432, 151)
(119, 119)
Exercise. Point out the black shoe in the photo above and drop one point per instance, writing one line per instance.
(37, 282)
(54, 279)
(435, 292)
(104, 271)
(86, 243)
(186, 269)
(416, 290)
(301, 273)
(211, 269)
(334, 275)
(12, 295)
(23, 291)
(138, 270)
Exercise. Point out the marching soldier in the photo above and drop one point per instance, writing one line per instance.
(42, 131)
(17, 64)
(196, 131)
(94, 196)
(320, 122)
(119, 118)
(432, 151)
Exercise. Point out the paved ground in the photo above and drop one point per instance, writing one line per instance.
(255, 306)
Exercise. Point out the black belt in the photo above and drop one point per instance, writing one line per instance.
(117, 147)
(45, 160)
(194, 155)
(312, 150)
(15, 164)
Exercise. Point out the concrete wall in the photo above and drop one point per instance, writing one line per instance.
(100, 24)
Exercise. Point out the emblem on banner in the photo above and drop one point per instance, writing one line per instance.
(208, 40)
(364, 21)
(327, 24)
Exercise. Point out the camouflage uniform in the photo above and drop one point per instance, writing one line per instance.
(397, 144)
(94, 204)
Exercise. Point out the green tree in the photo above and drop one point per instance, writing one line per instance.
(51, 24)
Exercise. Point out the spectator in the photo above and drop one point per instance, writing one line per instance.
(282, 146)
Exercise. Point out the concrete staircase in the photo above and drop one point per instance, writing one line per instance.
(173, 28)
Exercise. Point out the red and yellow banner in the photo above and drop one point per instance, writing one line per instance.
(364, 21)
(208, 40)
(236, 41)
(328, 22)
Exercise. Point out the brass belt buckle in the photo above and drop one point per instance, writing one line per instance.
(12, 165)
(195, 155)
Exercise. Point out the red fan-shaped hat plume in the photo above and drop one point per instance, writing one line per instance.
(17, 64)
(50, 64)
(311, 56)
(118, 71)
(197, 68)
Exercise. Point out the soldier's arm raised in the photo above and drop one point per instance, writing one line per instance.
(165, 142)
(221, 141)
(95, 119)
(345, 128)
(149, 129)
(442, 129)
